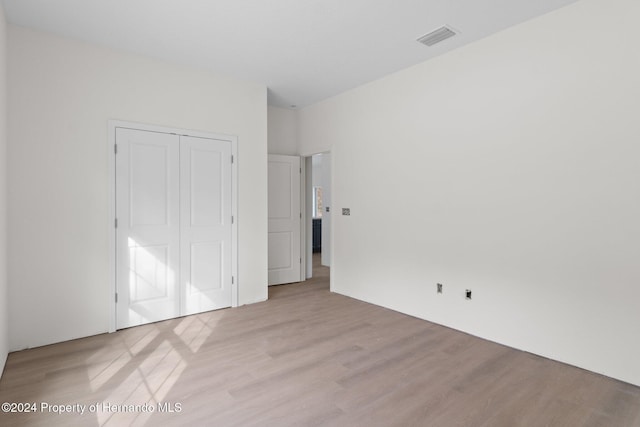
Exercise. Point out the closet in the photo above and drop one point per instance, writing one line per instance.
(173, 225)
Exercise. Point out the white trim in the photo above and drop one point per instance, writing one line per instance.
(234, 226)
(303, 219)
(111, 203)
(308, 213)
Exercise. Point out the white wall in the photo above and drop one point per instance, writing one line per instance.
(317, 179)
(283, 129)
(61, 95)
(4, 302)
(508, 167)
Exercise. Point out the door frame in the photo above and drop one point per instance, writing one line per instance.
(307, 228)
(111, 204)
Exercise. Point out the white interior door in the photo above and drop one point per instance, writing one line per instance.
(174, 225)
(148, 249)
(205, 233)
(284, 219)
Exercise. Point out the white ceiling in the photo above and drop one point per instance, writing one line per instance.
(302, 50)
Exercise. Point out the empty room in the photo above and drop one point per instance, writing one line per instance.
(319, 213)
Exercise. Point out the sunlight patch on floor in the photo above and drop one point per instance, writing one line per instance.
(193, 332)
(150, 383)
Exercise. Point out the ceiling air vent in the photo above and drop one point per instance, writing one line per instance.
(437, 36)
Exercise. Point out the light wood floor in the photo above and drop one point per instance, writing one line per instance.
(308, 357)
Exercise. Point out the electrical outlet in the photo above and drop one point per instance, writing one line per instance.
(439, 287)
(468, 293)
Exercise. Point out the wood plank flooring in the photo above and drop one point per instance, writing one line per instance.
(306, 357)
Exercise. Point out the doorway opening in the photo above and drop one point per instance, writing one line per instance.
(299, 211)
(318, 208)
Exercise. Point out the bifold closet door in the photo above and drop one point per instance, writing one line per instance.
(174, 226)
(148, 227)
(205, 219)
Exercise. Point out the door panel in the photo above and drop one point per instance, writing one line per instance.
(284, 219)
(148, 184)
(281, 175)
(148, 227)
(280, 250)
(207, 267)
(206, 227)
(148, 277)
(206, 194)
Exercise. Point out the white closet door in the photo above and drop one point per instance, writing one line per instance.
(206, 230)
(284, 219)
(147, 211)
